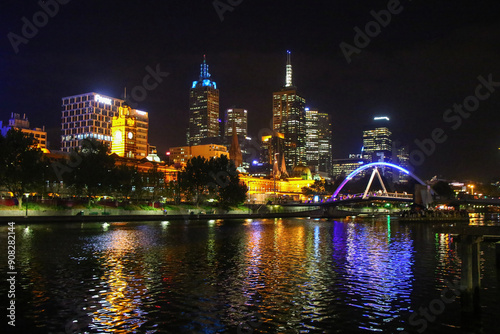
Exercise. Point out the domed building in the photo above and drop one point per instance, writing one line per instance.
(303, 172)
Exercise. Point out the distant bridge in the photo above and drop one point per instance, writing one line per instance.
(384, 194)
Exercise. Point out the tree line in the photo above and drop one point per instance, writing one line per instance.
(92, 172)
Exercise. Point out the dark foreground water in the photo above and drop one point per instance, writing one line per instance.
(260, 276)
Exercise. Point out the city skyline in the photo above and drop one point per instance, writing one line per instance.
(421, 64)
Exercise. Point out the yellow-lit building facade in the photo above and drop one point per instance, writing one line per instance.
(183, 153)
(129, 132)
(261, 190)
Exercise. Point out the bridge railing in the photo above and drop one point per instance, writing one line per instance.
(374, 194)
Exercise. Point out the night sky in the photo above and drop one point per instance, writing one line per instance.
(427, 59)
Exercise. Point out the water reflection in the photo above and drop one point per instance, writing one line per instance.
(272, 276)
(121, 287)
(379, 269)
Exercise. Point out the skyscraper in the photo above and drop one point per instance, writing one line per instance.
(203, 108)
(319, 141)
(85, 116)
(237, 117)
(289, 119)
(377, 142)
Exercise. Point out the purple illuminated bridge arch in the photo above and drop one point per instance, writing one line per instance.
(370, 165)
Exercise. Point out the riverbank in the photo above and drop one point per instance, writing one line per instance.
(156, 217)
(181, 212)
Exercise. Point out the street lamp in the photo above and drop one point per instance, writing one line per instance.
(27, 194)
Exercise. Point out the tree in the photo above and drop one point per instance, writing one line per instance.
(194, 178)
(173, 191)
(443, 189)
(155, 180)
(317, 188)
(93, 174)
(21, 168)
(124, 178)
(226, 184)
(217, 179)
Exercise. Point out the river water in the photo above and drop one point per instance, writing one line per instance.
(248, 276)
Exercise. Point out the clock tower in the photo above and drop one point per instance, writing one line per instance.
(124, 131)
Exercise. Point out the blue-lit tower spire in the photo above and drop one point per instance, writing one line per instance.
(204, 74)
(203, 108)
(204, 79)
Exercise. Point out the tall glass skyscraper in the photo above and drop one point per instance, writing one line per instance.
(203, 108)
(319, 141)
(377, 142)
(239, 117)
(289, 118)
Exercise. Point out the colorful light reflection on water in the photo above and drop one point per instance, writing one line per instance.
(268, 276)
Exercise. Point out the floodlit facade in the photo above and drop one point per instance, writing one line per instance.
(261, 190)
(17, 122)
(130, 133)
(87, 116)
(289, 118)
(203, 108)
(319, 141)
(182, 154)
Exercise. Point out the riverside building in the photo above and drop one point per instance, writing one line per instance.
(90, 116)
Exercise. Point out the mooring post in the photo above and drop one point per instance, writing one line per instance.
(471, 273)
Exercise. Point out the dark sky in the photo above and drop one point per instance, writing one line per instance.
(424, 61)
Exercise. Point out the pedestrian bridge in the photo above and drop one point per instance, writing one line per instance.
(373, 195)
(383, 194)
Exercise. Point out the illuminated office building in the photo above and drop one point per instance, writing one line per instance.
(239, 117)
(87, 116)
(377, 142)
(319, 141)
(343, 167)
(17, 122)
(203, 108)
(272, 146)
(130, 133)
(401, 157)
(289, 119)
